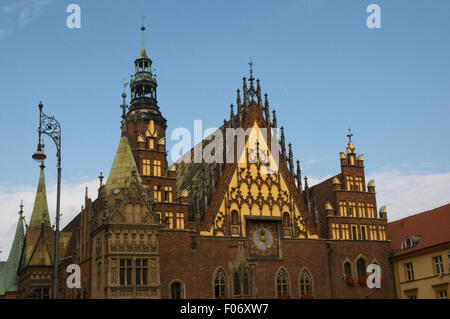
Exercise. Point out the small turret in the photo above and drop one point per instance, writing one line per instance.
(291, 159)
(274, 119)
(266, 109)
(383, 212)
(283, 143)
(371, 186)
(298, 177)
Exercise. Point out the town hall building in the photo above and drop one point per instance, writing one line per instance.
(213, 230)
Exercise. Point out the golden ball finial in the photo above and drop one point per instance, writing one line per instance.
(124, 95)
(143, 28)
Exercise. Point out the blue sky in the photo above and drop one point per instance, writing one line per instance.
(323, 69)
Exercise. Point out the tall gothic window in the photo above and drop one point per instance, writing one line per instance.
(220, 284)
(306, 283)
(361, 267)
(282, 283)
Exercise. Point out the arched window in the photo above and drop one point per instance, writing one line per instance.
(175, 290)
(220, 287)
(361, 267)
(305, 284)
(237, 284)
(286, 219)
(347, 269)
(234, 217)
(282, 283)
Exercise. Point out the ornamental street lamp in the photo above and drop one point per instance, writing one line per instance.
(48, 125)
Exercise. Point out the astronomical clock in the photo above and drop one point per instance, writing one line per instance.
(262, 239)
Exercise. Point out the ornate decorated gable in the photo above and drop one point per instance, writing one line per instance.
(258, 189)
(133, 206)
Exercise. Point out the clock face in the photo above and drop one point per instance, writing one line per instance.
(263, 240)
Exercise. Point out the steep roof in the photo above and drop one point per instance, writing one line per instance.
(38, 248)
(40, 209)
(123, 168)
(8, 269)
(433, 226)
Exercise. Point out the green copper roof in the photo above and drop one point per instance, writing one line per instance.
(8, 269)
(40, 208)
(123, 167)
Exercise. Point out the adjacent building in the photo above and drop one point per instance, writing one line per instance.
(421, 254)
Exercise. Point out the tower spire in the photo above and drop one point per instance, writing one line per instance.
(143, 54)
(40, 209)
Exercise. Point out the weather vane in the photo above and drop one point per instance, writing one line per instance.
(349, 135)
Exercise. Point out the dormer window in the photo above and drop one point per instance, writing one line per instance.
(410, 242)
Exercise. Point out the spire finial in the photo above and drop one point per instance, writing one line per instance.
(21, 208)
(299, 176)
(266, 108)
(291, 159)
(238, 100)
(274, 120)
(231, 115)
(251, 79)
(101, 179)
(350, 134)
(143, 52)
(282, 142)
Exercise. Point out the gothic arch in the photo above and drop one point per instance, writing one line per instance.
(220, 284)
(282, 282)
(304, 281)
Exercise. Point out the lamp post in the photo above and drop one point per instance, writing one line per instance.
(48, 125)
